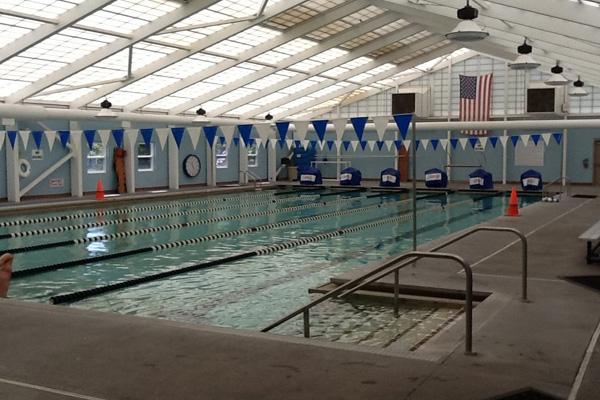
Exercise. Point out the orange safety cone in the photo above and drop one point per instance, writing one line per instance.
(99, 191)
(513, 205)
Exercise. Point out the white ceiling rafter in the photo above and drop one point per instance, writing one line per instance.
(178, 56)
(293, 33)
(356, 53)
(387, 58)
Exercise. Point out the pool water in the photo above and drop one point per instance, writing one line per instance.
(249, 293)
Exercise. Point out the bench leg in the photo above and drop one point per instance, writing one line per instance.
(590, 252)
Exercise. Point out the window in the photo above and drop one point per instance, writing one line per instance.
(221, 155)
(96, 159)
(145, 157)
(253, 155)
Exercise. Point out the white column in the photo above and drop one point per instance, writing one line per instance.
(243, 173)
(272, 162)
(505, 133)
(12, 169)
(211, 163)
(130, 146)
(173, 162)
(76, 162)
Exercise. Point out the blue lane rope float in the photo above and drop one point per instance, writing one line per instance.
(80, 295)
(38, 270)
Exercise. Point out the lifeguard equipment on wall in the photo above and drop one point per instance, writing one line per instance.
(350, 176)
(390, 177)
(436, 178)
(481, 179)
(24, 168)
(310, 176)
(531, 180)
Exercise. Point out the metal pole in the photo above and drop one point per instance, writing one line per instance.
(306, 324)
(396, 293)
(469, 312)
(414, 181)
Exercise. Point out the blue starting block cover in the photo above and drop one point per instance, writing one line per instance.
(390, 177)
(350, 176)
(436, 178)
(531, 180)
(310, 176)
(481, 179)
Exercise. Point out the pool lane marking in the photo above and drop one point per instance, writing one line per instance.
(49, 390)
(584, 364)
(527, 235)
(132, 209)
(80, 295)
(147, 218)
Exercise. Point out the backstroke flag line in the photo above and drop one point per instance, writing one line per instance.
(475, 100)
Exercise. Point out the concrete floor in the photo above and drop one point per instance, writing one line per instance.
(59, 353)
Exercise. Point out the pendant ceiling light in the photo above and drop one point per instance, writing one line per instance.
(524, 61)
(467, 30)
(201, 115)
(578, 90)
(557, 78)
(106, 112)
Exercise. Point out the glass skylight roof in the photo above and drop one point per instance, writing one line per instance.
(12, 28)
(39, 8)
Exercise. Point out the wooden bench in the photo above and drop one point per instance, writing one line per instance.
(592, 235)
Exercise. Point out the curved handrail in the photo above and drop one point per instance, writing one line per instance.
(567, 183)
(255, 178)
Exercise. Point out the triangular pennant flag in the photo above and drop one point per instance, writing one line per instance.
(463, 142)
(346, 143)
(76, 139)
(298, 144)
(354, 144)
(329, 144)
(444, 143)
(290, 143)
(2, 138)
(264, 131)
(514, 140)
(24, 138)
(222, 140)
(483, 142)
(403, 121)
(281, 143)
(118, 135)
(536, 138)
(454, 142)
(227, 131)
(381, 124)
(406, 144)
(494, 141)
(147, 136)
(417, 144)
(473, 142)
(194, 133)
(301, 129)
(37, 138)
(389, 144)
(359, 126)
(435, 143)
(236, 141)
(313, 144)
(320, 127)
(305, 143)
(273, 143)
(557, 137)
(339, 125)
(210, 132)
(64, 138)
(380, 144)
(251, 142)
(503, 140)
(424, 142)
(398, 144)
(163, 135)
(371, 144)
(282, 128)
(525, 139)
(321, 145)
(12, 136)
(546, 137)
(178, 135)
(104, 137)
(245, 131)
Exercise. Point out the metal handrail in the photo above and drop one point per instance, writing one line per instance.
(390, 266)
(255, 178)
(562, 181)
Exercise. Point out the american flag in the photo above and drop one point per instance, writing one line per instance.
(475, 100)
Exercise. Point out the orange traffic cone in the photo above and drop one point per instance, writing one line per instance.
(513, 205)
(99, 191)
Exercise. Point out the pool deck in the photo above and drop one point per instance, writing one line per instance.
(549, 343)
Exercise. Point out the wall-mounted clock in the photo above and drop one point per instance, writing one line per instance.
(191, 166)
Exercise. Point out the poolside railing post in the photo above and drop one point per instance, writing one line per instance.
(396, 293)
(469, 312)
(524, 250)
(414, 181)
(306, 318)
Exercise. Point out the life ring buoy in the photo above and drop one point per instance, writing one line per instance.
(24, 168)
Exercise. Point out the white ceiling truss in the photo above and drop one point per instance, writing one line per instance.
(243, 59)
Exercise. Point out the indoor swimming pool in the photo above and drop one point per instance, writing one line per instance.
(235, 260)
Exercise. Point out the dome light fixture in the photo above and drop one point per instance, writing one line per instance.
(467, 30)
(268, 117)
(106, 112)
(201, 115)
(524, 61)
(557, 78)
(578, 90)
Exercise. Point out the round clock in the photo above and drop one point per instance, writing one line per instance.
(191, 166)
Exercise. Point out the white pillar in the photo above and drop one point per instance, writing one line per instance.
(211, 165)
(12, 169)
(130, 146)
(243, 173)
(173, 163)
(76, 161)
(272, 161)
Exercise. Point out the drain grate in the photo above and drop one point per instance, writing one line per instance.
(588, 281)
(584, 196)
(525, 394)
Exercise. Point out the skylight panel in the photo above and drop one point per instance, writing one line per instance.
(12, 28)
(228, 47)
(10, 86)
(270, 57)
(235, 95)
(335, 72)
(273, 97)
(278, 110)
(299, 102)
(39, 8)
(363, 15)
(359, 41)
(328, 90)
(186, 67)
(356, 63)
(306, 65)
(295, 46)
(385, 50)
(389, 28)
(28, 69)
(360, 77)
(229, 75)
(381, 68)
(255, 36)
(235, 8)
(242, 110)
(329, 30)
(329, 55)
(419, 36)
(322, 5)
(148, 85)
(120, 99)
(212, 105)
(166, 103)
(292, 17)
(126, 16)
(197, 89)
(65, 97)
(268, 81)
(302, 85)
